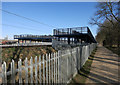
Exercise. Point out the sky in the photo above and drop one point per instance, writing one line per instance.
(56, 14)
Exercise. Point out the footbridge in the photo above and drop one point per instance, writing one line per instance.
(70, 36)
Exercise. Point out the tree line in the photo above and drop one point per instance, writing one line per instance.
(107, 18)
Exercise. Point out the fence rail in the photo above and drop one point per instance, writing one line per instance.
(57, 67)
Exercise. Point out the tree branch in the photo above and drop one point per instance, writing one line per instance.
(110, 8)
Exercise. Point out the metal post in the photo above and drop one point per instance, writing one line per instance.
(18, 40)
(26, 71)
(68, 40)
(40, 69)
(43, 71)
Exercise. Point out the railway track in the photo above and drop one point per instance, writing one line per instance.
(27, 44)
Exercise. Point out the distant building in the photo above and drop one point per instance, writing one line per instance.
(6, 38)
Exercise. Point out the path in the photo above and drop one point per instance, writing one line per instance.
(104, 68)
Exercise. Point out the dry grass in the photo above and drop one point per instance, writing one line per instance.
(22, 52)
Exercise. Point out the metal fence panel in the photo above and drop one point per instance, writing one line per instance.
(57, 67)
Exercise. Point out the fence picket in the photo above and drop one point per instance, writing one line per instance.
(40, 69)
(5, 73)
(4, 79)
(36, 80)
(20, 71)
(46, 68)
(26, 71)
(13, 72)
(49, 68)
(60, 76)
(58, 67)
(67, 68)
(31, 70)
(54, 67)
(43, 70)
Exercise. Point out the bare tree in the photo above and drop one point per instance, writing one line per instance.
(105, 11)
(108, 21)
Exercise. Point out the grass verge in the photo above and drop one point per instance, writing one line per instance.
(80, 78)
(115, 50)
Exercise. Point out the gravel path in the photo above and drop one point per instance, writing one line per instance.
(104, 68)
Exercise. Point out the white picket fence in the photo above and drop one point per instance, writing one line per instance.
(57, 67)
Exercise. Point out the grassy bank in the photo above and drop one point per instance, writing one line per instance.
(80, 78)
(114, 50)
(22, 52)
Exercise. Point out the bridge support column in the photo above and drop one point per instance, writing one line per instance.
(58, 39)
(22, 41)
(18, 40)
(68, 40)
(81, 41)
(77, 40)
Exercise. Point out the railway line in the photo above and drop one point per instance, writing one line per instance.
(27, 44)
